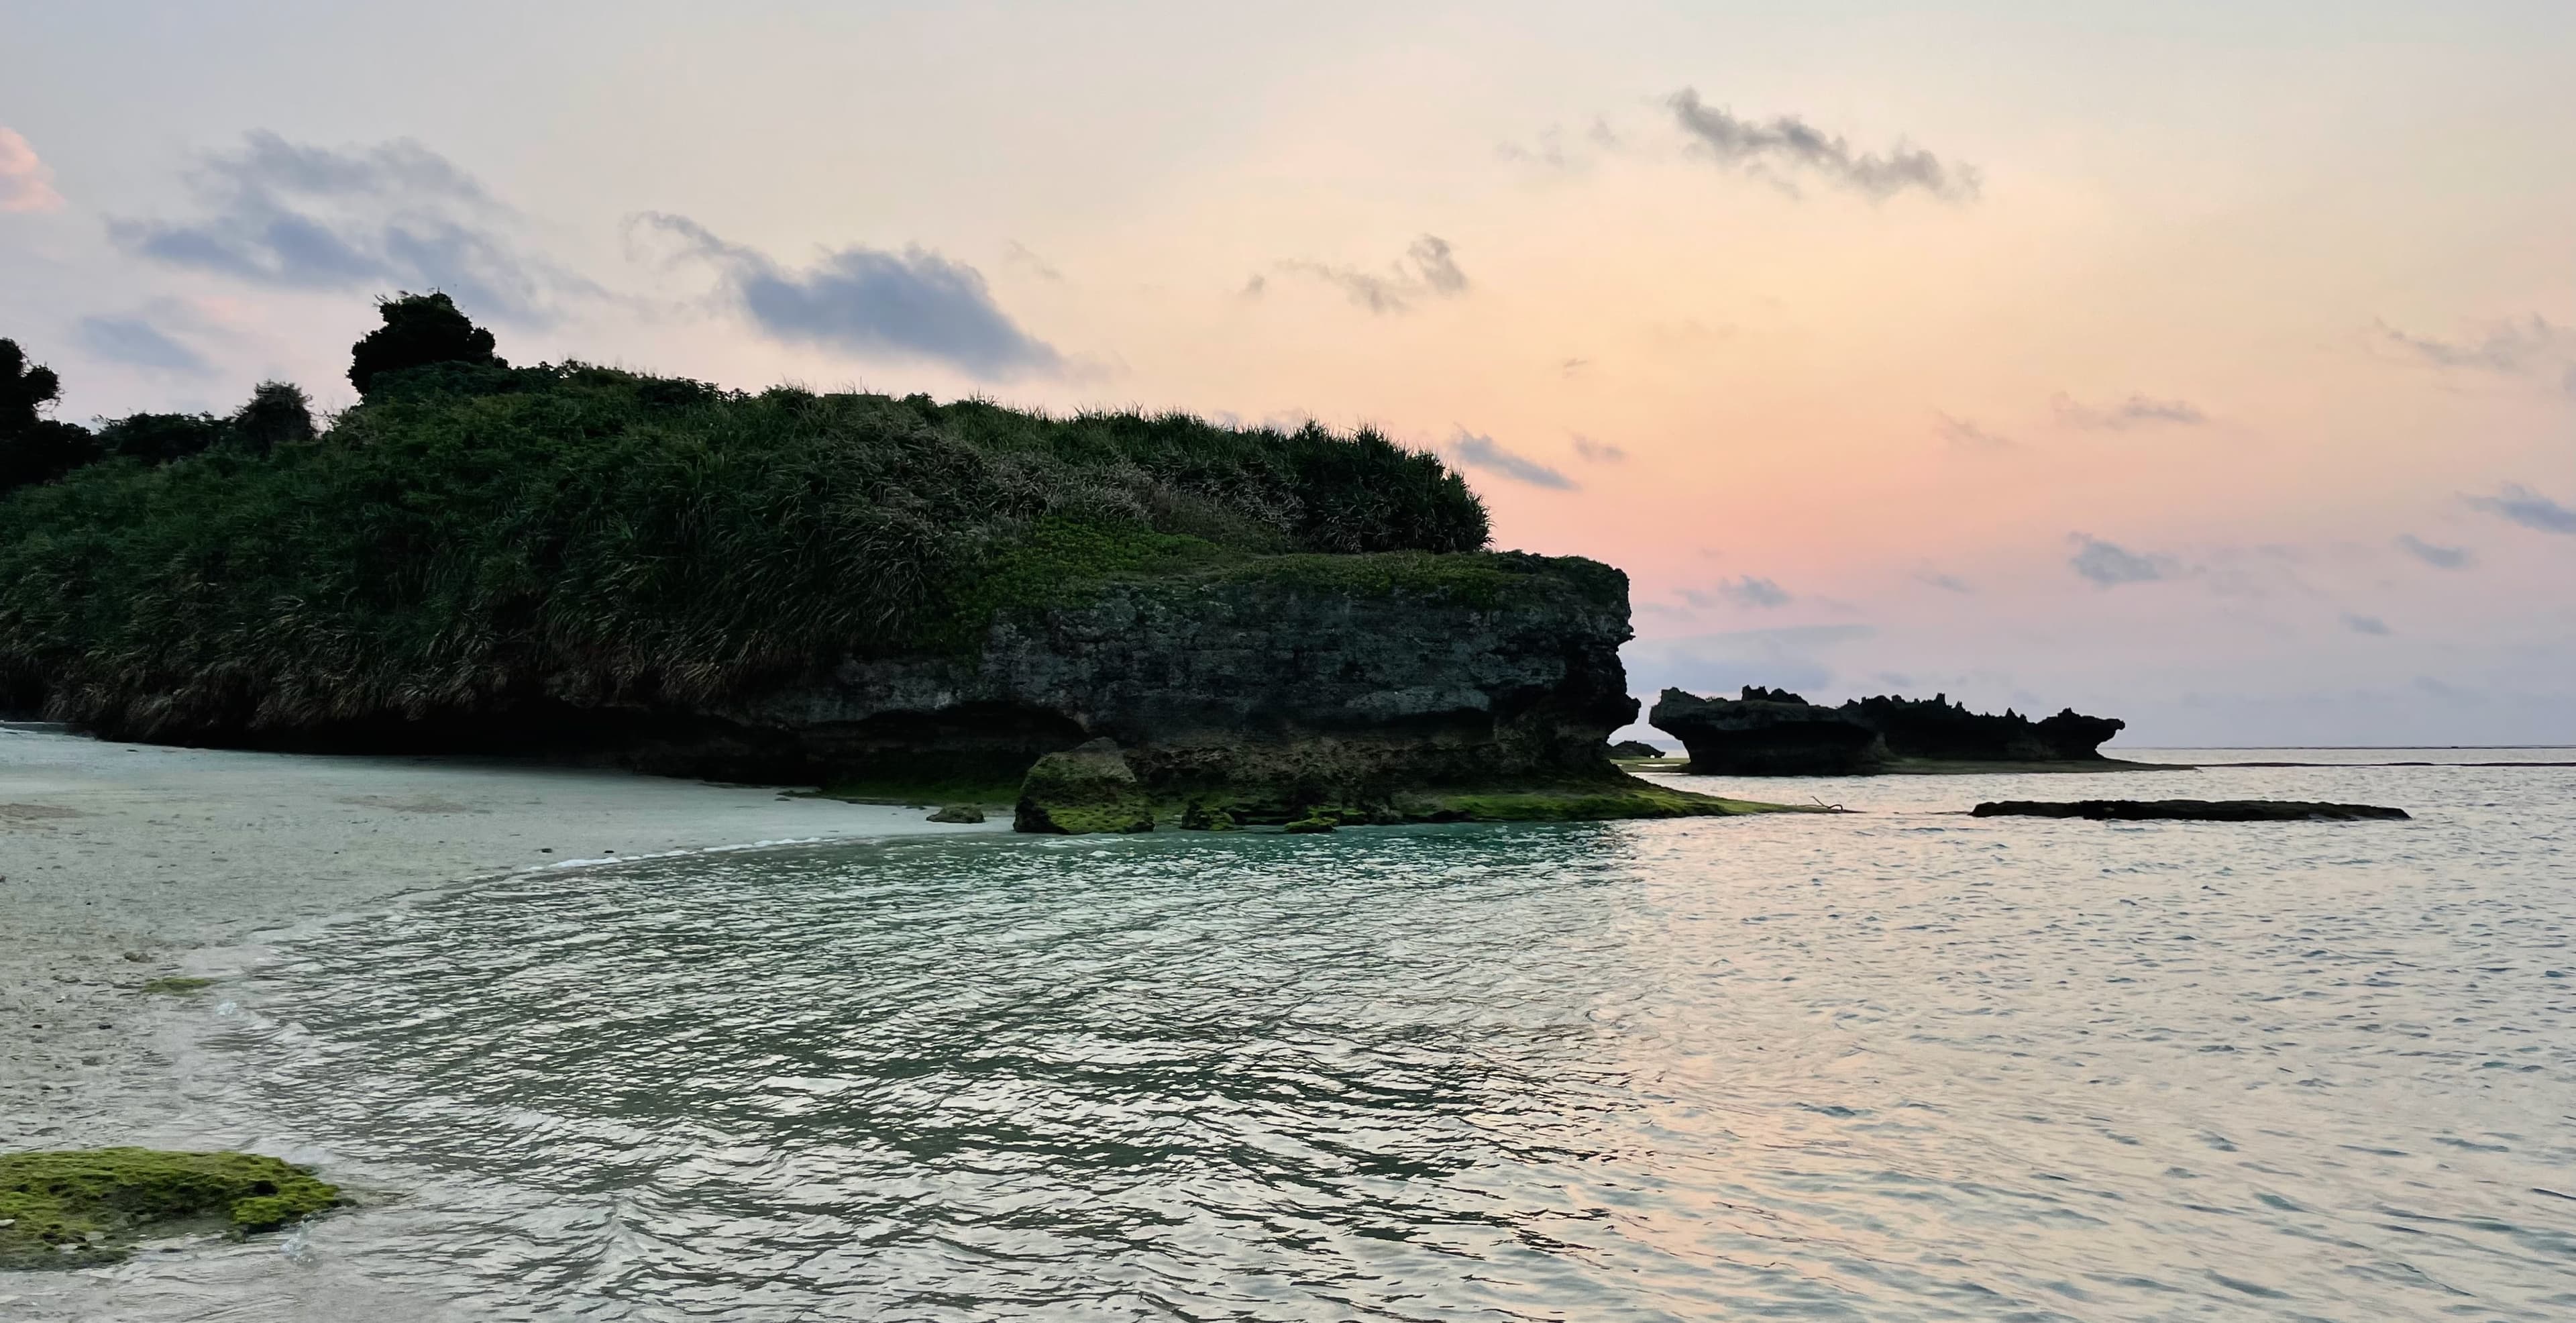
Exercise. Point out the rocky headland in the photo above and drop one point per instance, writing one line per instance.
(1772, 732)
(887, 597)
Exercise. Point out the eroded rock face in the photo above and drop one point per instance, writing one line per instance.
(1258, 687)
(1277, 686)
(1772, 732)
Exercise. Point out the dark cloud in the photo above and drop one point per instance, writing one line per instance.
(2526, 507)
(138, 343)
(2513, 348)
(2135, 411)
(2359, 624)
(395, 215)
(2111, 565)
(1744, 590)
(1787, 143)
(1483, 452)
(1428, 269)
(915, 303)
(1967, 435)
(2434, 554)
(1599, 452)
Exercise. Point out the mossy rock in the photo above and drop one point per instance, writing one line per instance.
(958, 813)
(1313, 824)
(1081, 791)
(1199, 815)
(87, 1207)
(177, 985)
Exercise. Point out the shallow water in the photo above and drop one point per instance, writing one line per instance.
(1902, 1064)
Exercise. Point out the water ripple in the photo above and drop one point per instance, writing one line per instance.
(1889, 1067)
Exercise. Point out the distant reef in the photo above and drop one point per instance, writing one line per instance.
(2189, 810)
(1772, 732)
(889, 597)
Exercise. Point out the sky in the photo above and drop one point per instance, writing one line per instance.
(2209, 365)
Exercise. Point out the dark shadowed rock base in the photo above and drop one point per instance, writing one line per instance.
(2187, 810)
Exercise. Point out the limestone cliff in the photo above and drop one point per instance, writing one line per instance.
(1300, 680)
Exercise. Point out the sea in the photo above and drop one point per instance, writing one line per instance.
(1895, 1063)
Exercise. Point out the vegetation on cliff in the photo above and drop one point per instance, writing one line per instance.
(81, 1208)
(473, 535)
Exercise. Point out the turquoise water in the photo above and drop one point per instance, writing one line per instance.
(1900, 1064)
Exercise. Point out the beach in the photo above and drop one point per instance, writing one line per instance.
(121, 864)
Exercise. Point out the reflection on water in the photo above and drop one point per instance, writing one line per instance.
(1903, 1065)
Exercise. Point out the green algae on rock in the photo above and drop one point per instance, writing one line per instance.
(1083, 790)
(176, 985)
(86, 1207)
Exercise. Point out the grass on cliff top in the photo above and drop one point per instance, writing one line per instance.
(78, 1209)
(596, 535)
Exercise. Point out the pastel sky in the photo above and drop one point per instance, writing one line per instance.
(2211, 365)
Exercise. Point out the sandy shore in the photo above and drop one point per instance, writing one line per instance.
(121, 863)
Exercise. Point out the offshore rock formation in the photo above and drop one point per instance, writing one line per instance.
(1767, 732)
(1772, 732)
(2188, 810)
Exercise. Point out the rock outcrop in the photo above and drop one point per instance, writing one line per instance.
(1085, 789)
(1767, 733)
(1772, 732)
(1264, 687)
(2188, 810)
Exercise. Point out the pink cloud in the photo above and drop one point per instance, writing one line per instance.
(26, 183)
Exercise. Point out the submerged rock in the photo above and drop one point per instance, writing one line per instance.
(1082, 790)
(87, 1207)
(955, 813)
(2187, 810)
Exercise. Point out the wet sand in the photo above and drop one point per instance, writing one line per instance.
(121, 864)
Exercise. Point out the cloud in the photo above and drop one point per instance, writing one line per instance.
(396, 214)
(2365, 624)
(2110, 565)
(2135, 411)
(2526, 507)
(1551, 149)
(26, 182)
(2514, 347)
(915, 303)
(1483, 452)
(2434, 554)
(1018, 254)
(1787, 142)
(137, 343)
(1945, 582)
(1744, 590)
(1599, 452)
(1967, 435)
(1428, 269)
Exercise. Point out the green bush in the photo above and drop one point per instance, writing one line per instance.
(474, 533)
